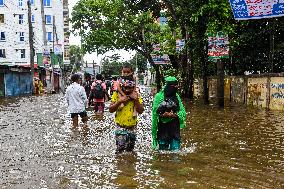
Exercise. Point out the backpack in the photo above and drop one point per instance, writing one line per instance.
(98, 91)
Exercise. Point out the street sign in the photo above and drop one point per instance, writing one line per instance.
(257, 9)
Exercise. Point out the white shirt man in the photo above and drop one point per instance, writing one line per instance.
(77, 100)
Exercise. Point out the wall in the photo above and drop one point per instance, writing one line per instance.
(277, 93)
(256, 91)
(265, 91)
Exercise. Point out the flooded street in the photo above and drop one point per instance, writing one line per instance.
(239, 147)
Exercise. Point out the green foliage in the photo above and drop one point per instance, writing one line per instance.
(110, 24)
(111, 65)
(140, 61)
(76, 57)
(131, 25)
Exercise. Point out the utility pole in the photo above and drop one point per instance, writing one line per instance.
(31, 43)
(43, 24)
(55, 37)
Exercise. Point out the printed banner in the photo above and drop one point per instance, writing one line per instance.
(218, 46)
(158, 57)
(257, 9)
(180, 43)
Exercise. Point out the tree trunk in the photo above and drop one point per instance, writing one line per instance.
(205, 78)
(186, 70)
(158, 73)
(190, 77)
(220, 83)
(158, 77)
(203, 50)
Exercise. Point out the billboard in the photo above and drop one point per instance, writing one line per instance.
(218, 46)
(257, 9)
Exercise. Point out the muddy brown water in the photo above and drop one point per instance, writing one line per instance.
(237, 147)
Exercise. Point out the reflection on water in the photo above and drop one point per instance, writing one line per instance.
(238, 147)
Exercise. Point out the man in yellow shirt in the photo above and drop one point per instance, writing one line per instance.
(126, 115)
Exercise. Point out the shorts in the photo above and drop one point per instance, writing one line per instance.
(125, 139)
(99, 106)
(82, 114)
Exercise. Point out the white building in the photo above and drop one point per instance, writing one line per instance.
(14, 30)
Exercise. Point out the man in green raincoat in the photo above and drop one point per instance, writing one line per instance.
(168, 117)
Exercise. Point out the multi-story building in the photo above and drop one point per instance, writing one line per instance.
(14, 29)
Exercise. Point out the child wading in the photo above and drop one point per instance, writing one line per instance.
(125, 116)
(168, 117)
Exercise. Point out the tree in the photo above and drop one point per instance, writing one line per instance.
(111, 65)
(140, 62)
(107, 25)
(76, 57)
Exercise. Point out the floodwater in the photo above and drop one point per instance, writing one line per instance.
(237, 147)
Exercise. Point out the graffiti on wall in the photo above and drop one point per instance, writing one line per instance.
(255, 91)
(238, 89)
(279, 93)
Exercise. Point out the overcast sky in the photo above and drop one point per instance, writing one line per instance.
(75, 40)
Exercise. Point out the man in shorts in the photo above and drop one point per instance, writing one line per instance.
(77, 100)
(126, 115)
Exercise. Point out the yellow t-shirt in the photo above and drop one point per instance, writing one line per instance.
(124, 114)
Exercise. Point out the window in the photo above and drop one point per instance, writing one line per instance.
(2, 18)
(20, 3)
(2, 36)
(1, 2)
(2, 51)
(33, 18)
(21, 18)
(23, 53)
(49, 36)
(22, 36)
(48, 19)
(32, 2)
(47, 3)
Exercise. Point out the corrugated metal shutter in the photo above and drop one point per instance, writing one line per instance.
(17, 84)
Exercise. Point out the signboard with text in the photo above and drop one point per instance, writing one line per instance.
(218, 46)
(180, 43)
(257, 9)
(158, 57)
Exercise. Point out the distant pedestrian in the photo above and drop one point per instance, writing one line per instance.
(168, 117)
(98, 94)
(77, 100)
(87, 84)
(36, 86)
(125, 116)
